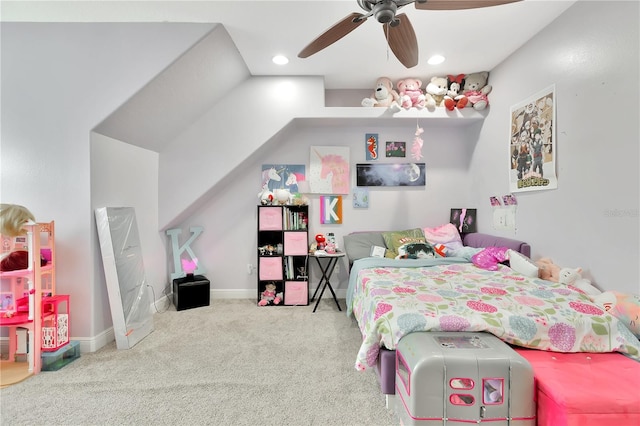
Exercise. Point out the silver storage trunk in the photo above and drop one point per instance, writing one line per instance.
(455, 378)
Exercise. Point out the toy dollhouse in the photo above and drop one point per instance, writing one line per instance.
(36, 317)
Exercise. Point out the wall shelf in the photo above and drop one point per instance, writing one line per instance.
(350, 116)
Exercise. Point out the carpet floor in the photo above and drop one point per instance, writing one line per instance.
(231, 363)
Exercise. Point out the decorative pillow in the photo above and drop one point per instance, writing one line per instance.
(624, 306)
(522, 264)
(358, 245)
(446, 234)
(416, 251)
(489, 258)
(393, 240)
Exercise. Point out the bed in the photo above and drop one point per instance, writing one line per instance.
(390, 298)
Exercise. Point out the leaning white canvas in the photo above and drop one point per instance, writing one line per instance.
(124, 272)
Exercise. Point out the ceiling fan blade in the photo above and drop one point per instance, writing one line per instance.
(333, 34)
(460, 4)
(402, 40)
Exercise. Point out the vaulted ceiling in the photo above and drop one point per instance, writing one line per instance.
(471, 40)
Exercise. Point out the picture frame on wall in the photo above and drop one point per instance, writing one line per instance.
(396, 149)
(371, 146)
(532, 145)
(361, 198)
(465, 220)
(391, 174)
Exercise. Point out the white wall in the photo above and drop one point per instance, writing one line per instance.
(58, 82)
(595, 69)
(228, 242)
(134, 185)
(591, 54)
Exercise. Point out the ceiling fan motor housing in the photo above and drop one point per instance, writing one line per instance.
(385, 11)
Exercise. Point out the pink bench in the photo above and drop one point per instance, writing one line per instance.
(585, 389)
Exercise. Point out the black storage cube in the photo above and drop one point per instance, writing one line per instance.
(191, 291)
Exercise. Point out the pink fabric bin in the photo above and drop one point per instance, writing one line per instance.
(585, 389)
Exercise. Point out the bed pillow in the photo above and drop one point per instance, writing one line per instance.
(358, 245)
(625, 307)
(416, 251)
(522, 264)
(393, 240)
(446, 235)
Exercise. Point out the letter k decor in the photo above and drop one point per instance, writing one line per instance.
(331, 209)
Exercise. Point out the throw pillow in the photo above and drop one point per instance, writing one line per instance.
(393, 240)
(446, 234)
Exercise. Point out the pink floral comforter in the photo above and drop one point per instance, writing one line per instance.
(389, 302)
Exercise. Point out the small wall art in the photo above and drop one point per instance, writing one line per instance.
(361, 198)
(396, 149)
(331, 209)
(464, 220)
(282, 176)
(391, 174)
(371, 146)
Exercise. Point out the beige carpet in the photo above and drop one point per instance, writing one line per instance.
(231, 363)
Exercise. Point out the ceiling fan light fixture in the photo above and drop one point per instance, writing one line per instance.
(280, 60)
(436, 60)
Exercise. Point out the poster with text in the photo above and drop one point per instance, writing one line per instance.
(329, 170)
(532, 145)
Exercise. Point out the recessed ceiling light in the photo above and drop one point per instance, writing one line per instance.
(435, 60)
(280, 60)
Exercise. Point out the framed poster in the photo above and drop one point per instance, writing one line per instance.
(329, 170)
(396, 149)
(371, 146)
(464, 220)
(391, 174)
(361, 198)
(282, 176)
(532, 144)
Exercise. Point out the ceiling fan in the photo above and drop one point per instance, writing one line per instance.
(398, 30)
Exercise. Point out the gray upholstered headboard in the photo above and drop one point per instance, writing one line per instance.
(358, 244)
(477, 239)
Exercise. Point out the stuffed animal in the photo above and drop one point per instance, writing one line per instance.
(436, 90)
(411, 94)
(573, 278)
(476, 89)
(12, 218)
(269, 296)
(454, 97)
(548, 270)
(384, 96)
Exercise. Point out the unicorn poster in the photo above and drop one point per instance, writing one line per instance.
(329, 170)
(282, 176)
